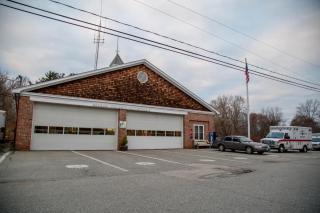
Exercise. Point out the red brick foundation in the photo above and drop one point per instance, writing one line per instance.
(24, 124)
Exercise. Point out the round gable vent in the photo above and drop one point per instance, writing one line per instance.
(142, 77)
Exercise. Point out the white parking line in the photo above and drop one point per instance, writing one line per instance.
(240, 158)
(225, 159)
(145, 163)
(210, 157)
(4, 156)
(100, 161)
(159, 159)
(207, 160)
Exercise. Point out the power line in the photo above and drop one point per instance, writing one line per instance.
(182, 42)
(239, 68)
(232, 66)
(127, 34)
(141, 29)
(210, 33)
(241, 33)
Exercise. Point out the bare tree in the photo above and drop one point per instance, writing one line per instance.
(308, 115)
(260, 122)
(7, 103)
(309, 109)
(273, 115)
(21, 81)
(232, 115)
(238, 118)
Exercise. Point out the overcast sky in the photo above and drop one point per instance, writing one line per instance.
(31, 45)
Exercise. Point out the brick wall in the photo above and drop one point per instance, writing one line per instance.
(122, 132)
(24, 124)
(193, 118)
(123, 86)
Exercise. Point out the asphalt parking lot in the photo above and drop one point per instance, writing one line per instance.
(160, 181)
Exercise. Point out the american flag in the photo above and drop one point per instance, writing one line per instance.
(247, 73)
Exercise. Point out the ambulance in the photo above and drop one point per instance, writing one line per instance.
(284, 138)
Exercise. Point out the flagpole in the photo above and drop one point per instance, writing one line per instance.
(248, 107)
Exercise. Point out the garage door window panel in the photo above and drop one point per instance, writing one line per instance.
(97, 131)
(55, 130)
(131, 132)
(71, 130)
(84, 131)
(110, 131)
(161, 133)
(141, 132)
(41, 129)
(177, 133)
(169, 133)
(151, 133)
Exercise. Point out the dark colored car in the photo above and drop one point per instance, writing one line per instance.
(242, 143)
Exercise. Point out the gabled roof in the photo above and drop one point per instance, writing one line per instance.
(115, 68)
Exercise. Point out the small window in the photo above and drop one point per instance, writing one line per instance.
(161, 133)
(55, 129)
(110, 131)
(98, 131)
(151, 133)
(141, 132)
(71, 130)
(41, 129)
(131, 132)
(198, 132)
(84, 131)
(169, 133)
(227, 139)
(177, 133)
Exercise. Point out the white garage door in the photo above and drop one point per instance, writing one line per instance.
(64, 127)
(154, 131)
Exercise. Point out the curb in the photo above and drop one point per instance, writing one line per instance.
(3, 157)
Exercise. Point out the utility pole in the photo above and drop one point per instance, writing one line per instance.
(248, 107)
(98, 40)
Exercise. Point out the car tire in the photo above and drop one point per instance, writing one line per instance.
(249, 150)
(221, 148)
(232, 150)
(281, 149)
(260, 153)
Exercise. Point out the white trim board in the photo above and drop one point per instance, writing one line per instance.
(57, 99)
(114, 68)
